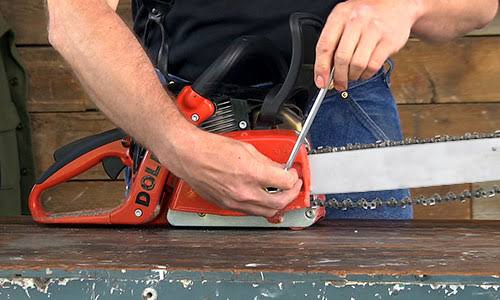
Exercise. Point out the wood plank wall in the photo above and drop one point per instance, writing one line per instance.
(449, 88)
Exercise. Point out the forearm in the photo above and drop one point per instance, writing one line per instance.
(446, 19)
(116, 72)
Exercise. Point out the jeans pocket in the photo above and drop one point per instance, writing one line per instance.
(366, 120)
(373, 104)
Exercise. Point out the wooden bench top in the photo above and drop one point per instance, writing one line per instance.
(470, 248)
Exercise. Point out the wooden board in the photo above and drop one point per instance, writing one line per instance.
(449, 211)
(452, 119)
(333, 248)
(486, 208)
(454, 72)
(53, 85)
(84, 195)
(462, 71)
(53, 130)
(28, 18)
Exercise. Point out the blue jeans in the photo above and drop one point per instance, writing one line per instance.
(367, 115)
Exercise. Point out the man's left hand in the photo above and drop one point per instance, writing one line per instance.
(359, 36)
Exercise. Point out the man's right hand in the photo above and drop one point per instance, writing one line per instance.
(232, 174)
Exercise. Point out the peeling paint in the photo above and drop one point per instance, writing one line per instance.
(39, 284)
(395, 289)
(161, 273)
(489, 286)
(186, 283)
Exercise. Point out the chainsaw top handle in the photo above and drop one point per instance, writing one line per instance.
(298, 85)
(243, 48)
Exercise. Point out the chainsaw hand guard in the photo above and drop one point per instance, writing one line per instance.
(144, 197)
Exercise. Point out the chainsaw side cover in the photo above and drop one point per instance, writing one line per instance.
(275, 144)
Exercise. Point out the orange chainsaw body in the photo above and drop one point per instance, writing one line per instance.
(155, 190)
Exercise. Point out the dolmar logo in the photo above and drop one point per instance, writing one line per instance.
(148, 183)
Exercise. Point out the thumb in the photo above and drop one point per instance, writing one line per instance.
(277, 177)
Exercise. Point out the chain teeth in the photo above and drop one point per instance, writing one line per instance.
(407, 201)
(405, 142)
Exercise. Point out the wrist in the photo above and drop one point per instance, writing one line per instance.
(178, 140)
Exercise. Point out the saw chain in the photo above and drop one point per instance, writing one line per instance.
(392, 202)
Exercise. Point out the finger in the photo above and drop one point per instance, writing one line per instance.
(282, 199)
(379, 56)
(367, 43)
(277, 177)
(327, 42)
(343, 53)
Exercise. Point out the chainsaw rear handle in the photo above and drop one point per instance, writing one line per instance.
(73, 160)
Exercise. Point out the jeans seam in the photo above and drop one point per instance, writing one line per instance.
(366, 120)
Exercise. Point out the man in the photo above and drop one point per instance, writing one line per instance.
(358, 37)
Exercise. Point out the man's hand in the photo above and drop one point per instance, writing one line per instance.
(232, 174)
(359, 35)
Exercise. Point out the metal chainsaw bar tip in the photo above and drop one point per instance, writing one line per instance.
(406, 166)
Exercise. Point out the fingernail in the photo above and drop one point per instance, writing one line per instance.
(320, 82)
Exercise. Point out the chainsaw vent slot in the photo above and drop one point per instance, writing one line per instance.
(224, 119)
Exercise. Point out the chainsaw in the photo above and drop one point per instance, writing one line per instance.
(270, 119)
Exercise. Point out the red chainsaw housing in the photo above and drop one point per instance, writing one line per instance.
(275, 144)
(154, 189)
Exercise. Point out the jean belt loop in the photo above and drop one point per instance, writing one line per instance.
(388, 72)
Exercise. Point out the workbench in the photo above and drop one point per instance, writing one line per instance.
(332, 260)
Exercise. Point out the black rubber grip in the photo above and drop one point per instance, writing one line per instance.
(72, 151)
(291, 85)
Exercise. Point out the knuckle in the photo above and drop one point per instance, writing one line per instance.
(230, 204)
(341, 58)
(320, 68)
(374, 66)
(375, 26)
(357, 66)
(364, 11)
(322, 48)
(239, 196)
(270, 213)
(277, 204)
(281, 203)
(341, 7)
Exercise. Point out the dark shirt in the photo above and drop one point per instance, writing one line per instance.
(199, 30)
